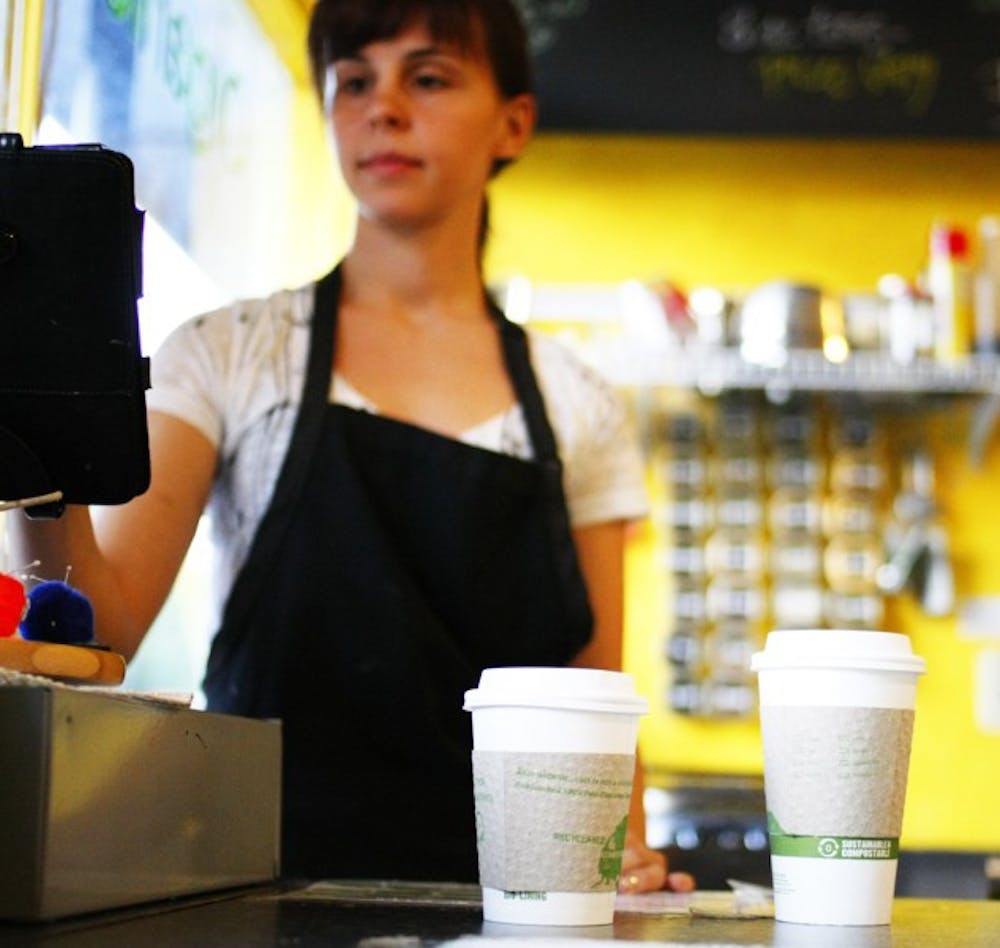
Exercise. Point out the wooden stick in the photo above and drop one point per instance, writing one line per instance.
(54, 660)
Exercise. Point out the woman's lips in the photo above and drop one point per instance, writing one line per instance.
(388, 163)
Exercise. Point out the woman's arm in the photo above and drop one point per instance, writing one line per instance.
(601, 550)
(125, 558)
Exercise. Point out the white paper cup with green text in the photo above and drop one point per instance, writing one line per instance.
(553, 764)
(836, 714)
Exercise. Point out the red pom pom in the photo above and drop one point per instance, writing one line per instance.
(12, 604)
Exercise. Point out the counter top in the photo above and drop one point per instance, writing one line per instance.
(289, 916)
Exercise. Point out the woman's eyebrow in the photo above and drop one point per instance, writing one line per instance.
(419, 52)
(433, 52)
(439, 51)
(355, 56)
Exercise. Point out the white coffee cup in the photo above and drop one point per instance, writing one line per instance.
(836, 709)
(554, 760)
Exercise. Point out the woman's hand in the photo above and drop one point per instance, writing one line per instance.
(645, 870)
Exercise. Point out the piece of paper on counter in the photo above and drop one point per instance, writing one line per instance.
(744, 901)
(729, 905)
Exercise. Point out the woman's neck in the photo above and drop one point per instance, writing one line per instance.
(414, 333)
(431, 273)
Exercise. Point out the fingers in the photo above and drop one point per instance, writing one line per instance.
(643, 879)
(645, 870)
(680, 881)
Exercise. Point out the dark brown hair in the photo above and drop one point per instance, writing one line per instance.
(340, 28)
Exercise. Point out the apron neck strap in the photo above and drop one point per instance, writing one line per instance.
(321, 340)
(518, 360)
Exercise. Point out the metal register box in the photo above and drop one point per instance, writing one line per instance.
(108, 800)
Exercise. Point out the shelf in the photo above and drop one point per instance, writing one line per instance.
(713, 371)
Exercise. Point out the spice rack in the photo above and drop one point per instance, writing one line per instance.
(717, 613)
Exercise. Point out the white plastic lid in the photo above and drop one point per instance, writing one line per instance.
(837, 648)
(576, 689)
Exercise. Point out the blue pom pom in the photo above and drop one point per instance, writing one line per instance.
(58, 613)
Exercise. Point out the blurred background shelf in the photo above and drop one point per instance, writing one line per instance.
(717, 370)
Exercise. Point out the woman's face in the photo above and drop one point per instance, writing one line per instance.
(418, 126)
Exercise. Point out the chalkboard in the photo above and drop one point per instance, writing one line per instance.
(896, 68)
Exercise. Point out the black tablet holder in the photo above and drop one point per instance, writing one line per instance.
(72, 376)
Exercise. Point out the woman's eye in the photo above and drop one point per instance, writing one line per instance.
(429, 80)
(352, 85)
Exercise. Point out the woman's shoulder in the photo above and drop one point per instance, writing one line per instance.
(240, 339)
(249, 318)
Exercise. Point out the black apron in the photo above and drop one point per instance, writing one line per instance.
(393, 565)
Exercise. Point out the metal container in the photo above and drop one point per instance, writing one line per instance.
(110, 801)
(779, 316)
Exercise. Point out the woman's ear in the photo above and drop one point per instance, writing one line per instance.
(518, 124)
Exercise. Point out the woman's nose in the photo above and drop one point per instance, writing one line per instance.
(388, 105)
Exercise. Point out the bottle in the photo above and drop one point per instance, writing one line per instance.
(986, 287)
(908, 328)
(950, 286)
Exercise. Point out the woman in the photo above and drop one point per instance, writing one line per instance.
(379, 459)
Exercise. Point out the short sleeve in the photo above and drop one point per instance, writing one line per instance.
(185, 373)
(603, 471)
(229, 371)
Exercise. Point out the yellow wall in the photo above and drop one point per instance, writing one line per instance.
(734, 213)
